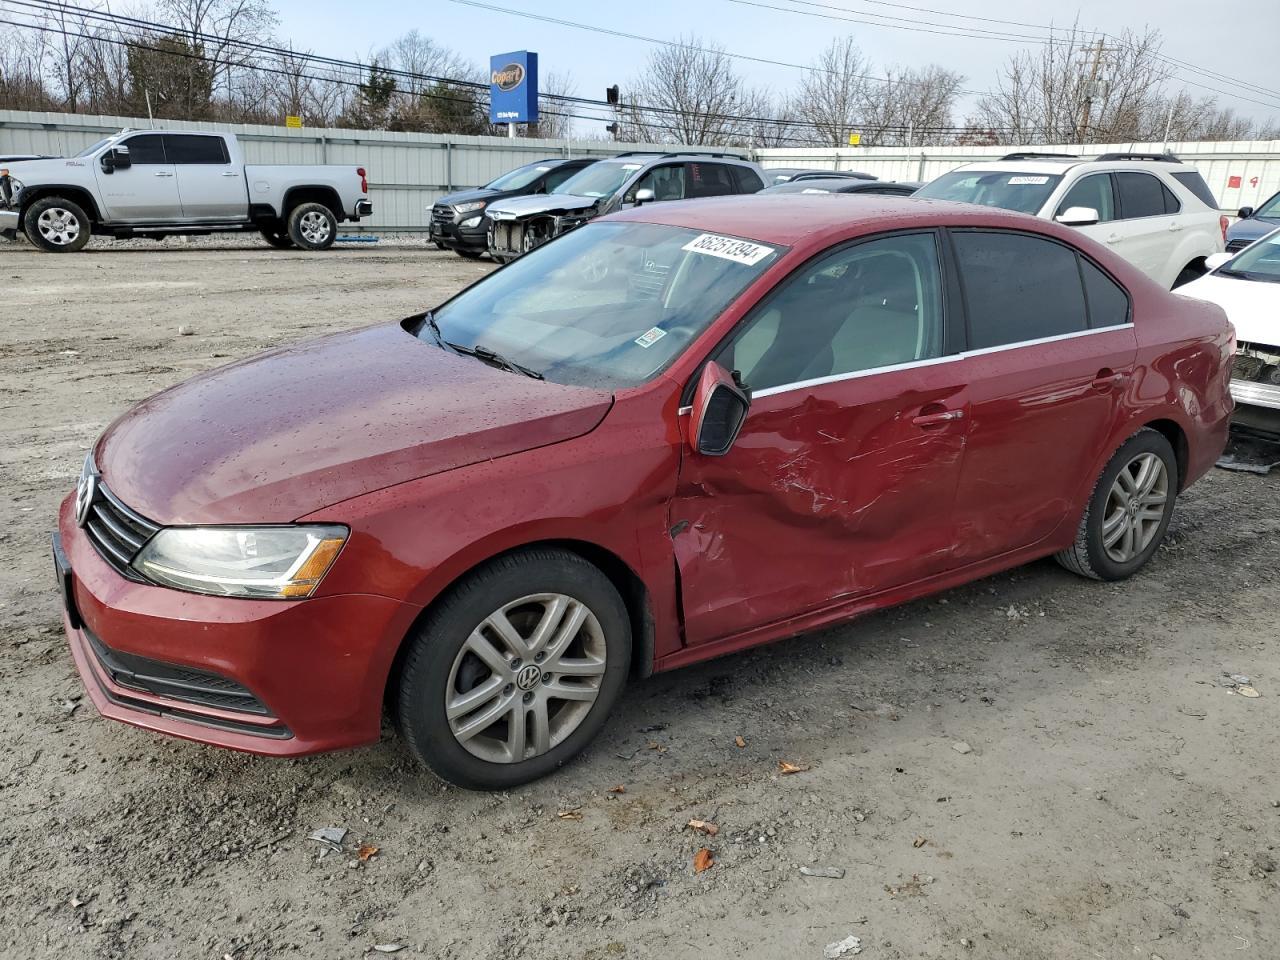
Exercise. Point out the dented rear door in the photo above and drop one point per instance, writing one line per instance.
(831, 491)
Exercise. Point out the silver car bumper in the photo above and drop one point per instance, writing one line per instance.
(1256, 394)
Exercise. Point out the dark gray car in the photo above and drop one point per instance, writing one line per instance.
(888, 188)
(1253, 224)
(522, 223)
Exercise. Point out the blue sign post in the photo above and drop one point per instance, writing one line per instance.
(513, 88)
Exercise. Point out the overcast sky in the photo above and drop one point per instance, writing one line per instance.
(1238, 40)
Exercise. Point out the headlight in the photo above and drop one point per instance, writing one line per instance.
(470, 222)
(469, 207)
(258, 562)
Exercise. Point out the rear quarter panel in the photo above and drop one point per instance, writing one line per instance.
(270, 183)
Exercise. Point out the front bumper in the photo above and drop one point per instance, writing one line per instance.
(267, 677)
(453, 235)
(9, 221)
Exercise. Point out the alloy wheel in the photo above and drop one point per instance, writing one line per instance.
(1135, 507)
(314, 227)
(58, 226)
(525, 678)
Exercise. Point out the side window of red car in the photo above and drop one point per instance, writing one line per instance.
(1108, 303)
(1018, 287)
(868, 305)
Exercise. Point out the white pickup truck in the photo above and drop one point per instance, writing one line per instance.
(155, 183)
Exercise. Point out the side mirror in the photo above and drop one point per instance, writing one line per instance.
(1078, 217)
(1215, 260)
(644, 196)
(117, 158)
(719, 408)
(1245, 213)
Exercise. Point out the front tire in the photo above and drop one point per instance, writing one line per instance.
(468, 254)
(515, 670)
(57, 225)
(1128, 511)
(312, 226)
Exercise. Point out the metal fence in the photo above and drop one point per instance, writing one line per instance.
(407, 171)
(1240, 173)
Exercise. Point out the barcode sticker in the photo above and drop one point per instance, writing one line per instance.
(728, 248)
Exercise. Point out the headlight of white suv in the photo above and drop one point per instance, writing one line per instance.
(469, 207)
(274, 563)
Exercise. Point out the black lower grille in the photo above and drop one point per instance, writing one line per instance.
(175, 682)
(1235, 246)
(441, 213)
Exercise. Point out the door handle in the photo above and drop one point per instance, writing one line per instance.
(230, 173)
(1114, 238)
(163, 173)
(936, 418)
(1106, 378)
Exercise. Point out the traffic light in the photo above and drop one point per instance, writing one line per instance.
(611, 95)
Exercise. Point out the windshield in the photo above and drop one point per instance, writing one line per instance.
(1023, 192)
(1259, 261)
(608, 305)
(598, 180)
(1270, 209)
(519, 178)
(89, 151)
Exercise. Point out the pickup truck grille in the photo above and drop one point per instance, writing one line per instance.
(115, 531)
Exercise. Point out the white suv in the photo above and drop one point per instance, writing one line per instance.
(1153, 211)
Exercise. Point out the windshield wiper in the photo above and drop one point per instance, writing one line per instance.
(429, 320)
(492, 356)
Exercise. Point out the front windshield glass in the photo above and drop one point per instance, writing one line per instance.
(519, 178)
(1023, 192)
(1258, 261)
(1270, 209)
(89, 151)
(598, 180)
(608, 305)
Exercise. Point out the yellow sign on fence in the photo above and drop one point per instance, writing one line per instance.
(293, 122)
(855, 139)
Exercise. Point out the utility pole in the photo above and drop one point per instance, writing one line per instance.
(1083, 130)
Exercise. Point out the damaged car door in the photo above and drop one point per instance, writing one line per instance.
(842, 479)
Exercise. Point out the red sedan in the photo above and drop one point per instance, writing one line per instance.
(674, 433)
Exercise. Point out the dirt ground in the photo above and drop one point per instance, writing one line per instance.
(1116, 800)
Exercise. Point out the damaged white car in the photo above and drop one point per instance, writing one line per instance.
(1247, 286)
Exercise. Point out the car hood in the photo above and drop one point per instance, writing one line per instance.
(517, 207)
(1252, 229)
(43, 171)
(466, 196)
(274, 438)
(1252, 306)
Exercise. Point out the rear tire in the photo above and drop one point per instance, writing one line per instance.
(523, 706)
(312, 226)
(1192, 271)
(57, 225)
(1128, 511)
(277, 239)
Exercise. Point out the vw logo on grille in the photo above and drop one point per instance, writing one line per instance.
(85, 490)
(528, 677)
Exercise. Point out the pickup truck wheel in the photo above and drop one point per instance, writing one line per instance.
(277, 239)
(312, 226)
(56, 225)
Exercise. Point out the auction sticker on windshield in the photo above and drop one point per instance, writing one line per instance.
(1036, 180)
(728, 248)
(650, 337)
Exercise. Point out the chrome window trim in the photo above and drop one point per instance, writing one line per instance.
(892, 368)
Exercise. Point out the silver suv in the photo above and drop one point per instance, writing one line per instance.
(522, 223)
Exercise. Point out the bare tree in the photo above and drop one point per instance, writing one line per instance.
(1078, 88)
(689, 93)
(834, 93)
(912, 106)
(554, 121)
(217, 29)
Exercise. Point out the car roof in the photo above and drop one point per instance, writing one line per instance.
(837, 185)
(812, 219)
(1061, 166)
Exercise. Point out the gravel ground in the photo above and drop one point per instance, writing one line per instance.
(1032, 766)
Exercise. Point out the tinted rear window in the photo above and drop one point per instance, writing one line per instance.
(1018, 287)
(191, 148)
(1195, 183)
(1141, 195)
(1108, 303)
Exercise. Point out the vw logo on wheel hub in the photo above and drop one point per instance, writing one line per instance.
(528, 677)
